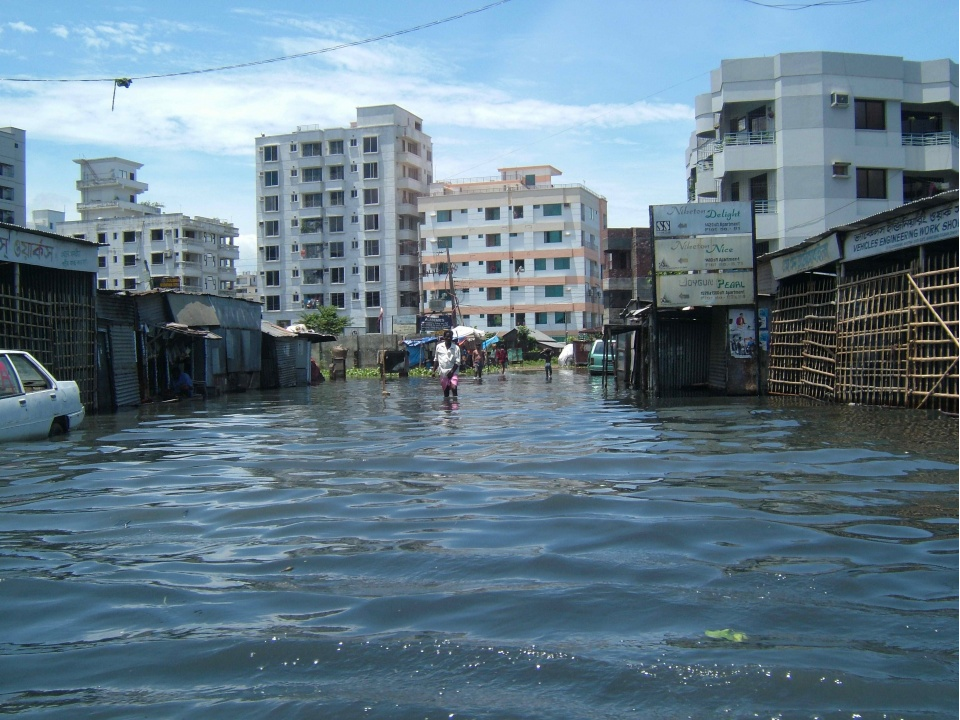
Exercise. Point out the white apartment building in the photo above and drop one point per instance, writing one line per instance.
(522, 251)
(247, 287)
(819, 139)
(142, 248)
(337, 219)
(13, 174)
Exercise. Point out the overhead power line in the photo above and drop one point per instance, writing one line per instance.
(126, 81)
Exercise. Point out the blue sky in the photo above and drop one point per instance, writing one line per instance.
(601, 89)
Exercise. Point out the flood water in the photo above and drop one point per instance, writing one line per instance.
(534, 550)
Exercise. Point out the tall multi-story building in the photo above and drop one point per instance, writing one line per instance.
(818, 139)
(141, 247)
(628, 270)
(517, 249)
(13, 188)
(247, 287)
(337, 219)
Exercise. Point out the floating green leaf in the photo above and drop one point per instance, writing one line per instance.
(726, 634)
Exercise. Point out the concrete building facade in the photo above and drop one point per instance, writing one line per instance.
(143, 248)
(818, 139)
(337, 219)
(13, 174)
(517, 250)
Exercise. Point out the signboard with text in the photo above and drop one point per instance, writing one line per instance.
(723, 218)
(806, 257)
(700, 289)
(728, 252)
(938, 223)
(34, 249)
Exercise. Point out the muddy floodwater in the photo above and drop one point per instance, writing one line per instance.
(532, 550)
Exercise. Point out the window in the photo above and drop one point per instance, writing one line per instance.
(517, 212)
(561, 318)
(338, 300)
(371, 222)
(353, 142)
(337, 275)
(102, 261)
(336, 198)
(521, 319)
(294, 172)
(313, 174)
(311, 225)
(155, 234)
(271, 278)
(271, 253)
(336, 172)
(552, 209)
(494, 293)
(353, 167)
(495, 320)
(294, 198)
(311, 149)
(271, 178)
(869, 115)
(271, 153)
(129, 236)
(372, 299)
(294, 222)
(101, 284)
(273, 303)
(356, 270)
(372, 273)
(336, 248)
(540, 318)
(493, 240)
(561, 263)
(539, 263)
(335, 223)
(371, 196)
(293, 147)
(871, 183)
(493, 267)
(552, 236)
(492, 213)
(155, 259)
(371, 248)
(444, 216)
(553, 291)
(129, 283)
(271, 203)
(335, 147)
(370, 144)
(371, 171)
(271, 228)
(312, 200)
(445, 242)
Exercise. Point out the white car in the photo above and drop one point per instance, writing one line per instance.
(33, 404)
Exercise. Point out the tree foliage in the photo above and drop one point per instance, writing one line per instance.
(325, 320)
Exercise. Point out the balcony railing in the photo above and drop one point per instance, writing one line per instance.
(927, 139)
(766, 137)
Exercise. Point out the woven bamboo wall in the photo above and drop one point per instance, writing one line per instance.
(803, 338)
(933, 347)
(883, 338)
(872, 319)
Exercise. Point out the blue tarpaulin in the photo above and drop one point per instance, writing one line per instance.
(418, 350)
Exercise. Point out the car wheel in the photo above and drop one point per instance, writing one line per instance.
(58, 427)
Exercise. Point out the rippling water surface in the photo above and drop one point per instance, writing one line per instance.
(536, 550)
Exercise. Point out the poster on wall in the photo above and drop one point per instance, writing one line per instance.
(764, 329)
(741, 332)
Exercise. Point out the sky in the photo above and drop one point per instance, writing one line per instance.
(603, 90)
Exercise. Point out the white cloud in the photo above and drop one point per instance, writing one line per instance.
(60, 31)
(21, 27)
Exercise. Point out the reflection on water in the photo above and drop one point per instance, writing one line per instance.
(532, 550)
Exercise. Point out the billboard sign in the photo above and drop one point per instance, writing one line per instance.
(700, 289)
(731, 252)
(723, 218)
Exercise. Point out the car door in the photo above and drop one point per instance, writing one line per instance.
(28, 399)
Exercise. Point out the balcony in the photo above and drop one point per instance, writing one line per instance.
(931, 152)
(745, 151)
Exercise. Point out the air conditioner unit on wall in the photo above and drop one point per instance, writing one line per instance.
(839, 99)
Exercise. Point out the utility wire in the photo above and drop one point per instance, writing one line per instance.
(125, 82)
(805, 6)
